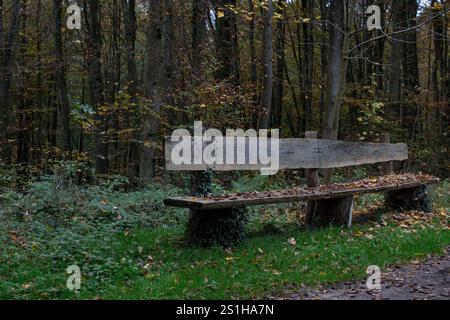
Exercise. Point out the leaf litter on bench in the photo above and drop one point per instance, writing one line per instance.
(365, 184)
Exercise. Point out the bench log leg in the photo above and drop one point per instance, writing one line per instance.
(409, 199)
(223, 227)
(209, 227)
(337, 211)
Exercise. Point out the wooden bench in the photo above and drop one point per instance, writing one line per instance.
(212, 217)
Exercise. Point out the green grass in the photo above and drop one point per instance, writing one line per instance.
(133, 260)
(148, 264)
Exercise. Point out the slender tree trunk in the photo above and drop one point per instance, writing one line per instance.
(439, 59)
(411, 108)
(253, 62)
(153, 92)
(96, 87)
(279, 64)
(323, 60)
(226, 41)
(23, 127)
(410, 60)
(37, 115)
(7, 45)
(337, 68)
(199, 15)
(266, 103)
(129, 14)
(308, 67)
(160, 78)
(395, 62)
(378, 50)
(338, 62)
(60, 79)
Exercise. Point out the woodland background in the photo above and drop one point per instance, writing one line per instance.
(98, 101)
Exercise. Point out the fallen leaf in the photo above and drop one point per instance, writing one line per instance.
(292, 242)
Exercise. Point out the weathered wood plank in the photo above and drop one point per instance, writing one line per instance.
(297, 153)
(279, 197)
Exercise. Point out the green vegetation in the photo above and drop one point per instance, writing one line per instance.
(128, 245)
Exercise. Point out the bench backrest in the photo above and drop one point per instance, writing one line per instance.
(303, 153)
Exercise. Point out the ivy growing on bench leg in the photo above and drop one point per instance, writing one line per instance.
(223, 227)
(409, 199)
(206, 228)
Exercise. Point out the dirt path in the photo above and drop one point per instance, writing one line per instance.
(427, 280)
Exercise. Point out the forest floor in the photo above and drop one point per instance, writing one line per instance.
(427, 280)
(128, 245)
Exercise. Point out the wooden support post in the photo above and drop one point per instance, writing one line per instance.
(409, 199)
(206, 228)
(224, 227)
(336, 211)
(320, 213)
(312, 180)
(387, 168)
(405, 199)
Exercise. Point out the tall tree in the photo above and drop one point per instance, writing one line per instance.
(152, 88)
(227, 41)
(409, 47)
(341, 22)
(130, 25)
(160, 78)
(253, 62)
(376, 63)
(60, 79)
(7, 44)
(308, 61)
(266, 102)
(396, 58)
(438, 67)
(96, 86)
(199, 18)
(279, 63)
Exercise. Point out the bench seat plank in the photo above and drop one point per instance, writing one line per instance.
(370, 185)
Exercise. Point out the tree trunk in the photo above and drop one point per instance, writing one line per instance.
(129, 14)
(395, 62)
(410, 60)
(308, 68)
(7, 44)
(378, 49)
(227, 41)
(253, 63)
(96, 88)
(338, 62)
(266, 103)
(199, 14)
(160, 79)
(342, 18)
(23, 136)
(153, 89)
(279, 64)
(60, 79)
(439, 59)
